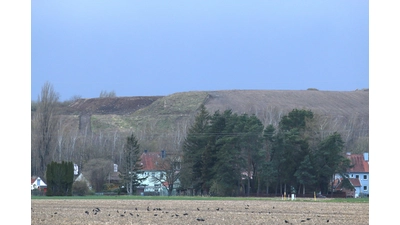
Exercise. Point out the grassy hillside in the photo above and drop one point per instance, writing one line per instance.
(161, 122)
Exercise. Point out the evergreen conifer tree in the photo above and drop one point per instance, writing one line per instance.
(131, 173)
(193, 148)
(59, 177)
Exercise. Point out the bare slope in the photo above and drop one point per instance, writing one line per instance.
(162, 122)
(333, 103)
(115, 105)
(339, 105)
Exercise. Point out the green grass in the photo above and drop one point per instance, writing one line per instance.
(191, 198)
(352, 200)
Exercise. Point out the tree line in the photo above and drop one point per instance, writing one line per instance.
(223, 154)
(227, 154)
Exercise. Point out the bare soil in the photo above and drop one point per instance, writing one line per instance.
(74, 211)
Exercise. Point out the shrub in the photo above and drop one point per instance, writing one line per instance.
(37, 192)
(80, 188)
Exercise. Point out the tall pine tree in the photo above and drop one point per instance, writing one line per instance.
(131, 167)
(193, 148)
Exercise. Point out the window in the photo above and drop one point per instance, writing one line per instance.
(177, 165)
(351, 175)
(153, 174)
(365, 188)
(357, 176)
(365, 177)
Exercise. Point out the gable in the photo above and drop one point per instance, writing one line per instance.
(81, 178)
(35, 181)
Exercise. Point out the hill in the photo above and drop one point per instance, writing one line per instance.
(161, 122)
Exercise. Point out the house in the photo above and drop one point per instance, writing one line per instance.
(38, 184)
(114, 178)
(154, 168)
(360, 171)
(150, 185)
(352, 192)
(358, 174)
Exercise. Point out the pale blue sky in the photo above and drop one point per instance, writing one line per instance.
(144, 48)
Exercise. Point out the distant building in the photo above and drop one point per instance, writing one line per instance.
(38, 184)
(358, 175)
(83, 179)
(152, 185)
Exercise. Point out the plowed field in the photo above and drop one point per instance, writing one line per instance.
(76, 211)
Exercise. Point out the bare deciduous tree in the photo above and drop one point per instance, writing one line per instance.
(97, 171)
(43, 128)
(105, 94)
(170, 166)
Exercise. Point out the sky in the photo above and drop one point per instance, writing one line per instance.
(153, 48)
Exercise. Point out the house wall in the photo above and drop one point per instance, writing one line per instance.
(151, 185)
(364, 181)
(357, 192)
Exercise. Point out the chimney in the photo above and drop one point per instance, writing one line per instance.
(163, 154)
(366, 156)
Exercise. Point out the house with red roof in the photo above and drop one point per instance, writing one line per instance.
(151, 171)
(38, 184)
(358, 174)
(155, 166)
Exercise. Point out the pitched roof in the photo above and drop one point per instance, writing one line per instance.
(338, 183)
(33, 179)
(355, 182)
(360, 165)
(115, 176)
(149, 160)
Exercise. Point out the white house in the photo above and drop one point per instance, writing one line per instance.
(37, 183)
(158, 173)
(150, 185)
